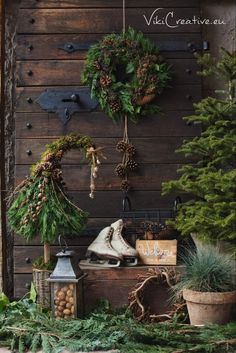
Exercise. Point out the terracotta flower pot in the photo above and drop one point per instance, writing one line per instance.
(209, 307)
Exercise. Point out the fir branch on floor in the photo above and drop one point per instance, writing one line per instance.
(23, 327)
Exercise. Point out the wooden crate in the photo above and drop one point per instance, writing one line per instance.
(114, 285)
(157, 252)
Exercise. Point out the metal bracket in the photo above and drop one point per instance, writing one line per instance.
(193, 46)
(162, 45)
(65, 102)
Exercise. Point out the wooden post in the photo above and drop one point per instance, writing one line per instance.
(46, 249)
(3, 231)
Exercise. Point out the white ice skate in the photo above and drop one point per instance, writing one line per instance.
(118, 243)
(101, 253)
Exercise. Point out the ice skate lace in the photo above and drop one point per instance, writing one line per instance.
(108, 237)
(119, 230)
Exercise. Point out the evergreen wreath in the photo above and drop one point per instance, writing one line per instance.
(39, 205)
(125, 72)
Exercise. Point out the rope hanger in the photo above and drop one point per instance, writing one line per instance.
(124, 24)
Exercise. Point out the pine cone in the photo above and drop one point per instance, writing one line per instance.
(132, 165)
(59, 154)
(125, 186)
(150, 90)
(108, 42)
(121, 146)
(115, 106)
(105, 80)
(139, 72)
(154, 79)
(131, 150)
(97, 65)
(49, 157)
(120, 170)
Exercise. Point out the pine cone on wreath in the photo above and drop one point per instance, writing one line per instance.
(121, 146)
(154, 78)
(97, 65)
(132, 165)
(150, 90)
(120, 170)
(107, 42)
(125, 185)
(105, 80)
(115, 106)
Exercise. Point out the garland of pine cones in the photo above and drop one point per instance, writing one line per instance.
(128, 163)
(40, 205)
(125, 72)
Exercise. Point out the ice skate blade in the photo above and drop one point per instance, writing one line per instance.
(130, 261)
(100, 263)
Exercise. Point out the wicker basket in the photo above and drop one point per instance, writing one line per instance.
(42, 287)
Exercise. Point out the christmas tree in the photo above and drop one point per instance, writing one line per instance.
(210, 181)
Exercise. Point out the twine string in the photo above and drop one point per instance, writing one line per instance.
(124, 24)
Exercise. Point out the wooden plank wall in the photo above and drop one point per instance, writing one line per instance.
(44, 26)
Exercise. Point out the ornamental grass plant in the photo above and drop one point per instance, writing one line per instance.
(207, 270)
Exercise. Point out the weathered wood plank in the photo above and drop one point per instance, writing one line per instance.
(93, 227)
(180, 97)
(80, 240)
(150, 150)
(105, 3)
(108, 204)
(103, 20)
(47, 46)
(47, 73)
(148, 177)
(114, 274)
(116, 293)
(21, 284)
(92, 124)
(68, 72)
(24, 256)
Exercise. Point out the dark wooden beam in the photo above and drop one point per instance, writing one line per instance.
(2, 155)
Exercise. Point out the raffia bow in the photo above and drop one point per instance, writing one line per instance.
(94, 154)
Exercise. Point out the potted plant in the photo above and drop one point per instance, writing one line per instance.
(208, 285)
(210, 179)
(40, 205)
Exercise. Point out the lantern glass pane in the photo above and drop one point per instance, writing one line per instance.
(65, 303)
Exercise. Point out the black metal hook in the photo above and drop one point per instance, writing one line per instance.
(177, 202)
(126, 202)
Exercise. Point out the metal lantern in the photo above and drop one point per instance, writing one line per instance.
(67, 287)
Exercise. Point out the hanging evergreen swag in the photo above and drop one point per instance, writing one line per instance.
(125, 72)
(39, 205)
